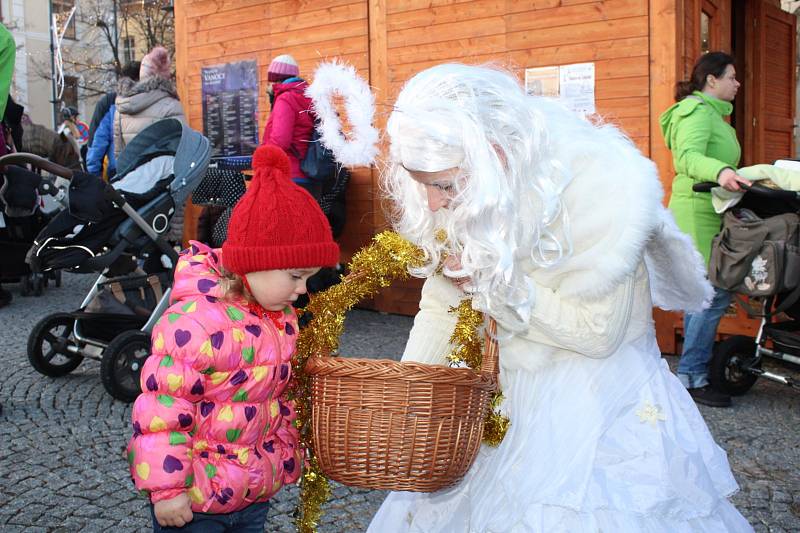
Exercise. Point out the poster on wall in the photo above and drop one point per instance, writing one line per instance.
(542, 81)
(230, 107)
(577, 87)
(572, 84)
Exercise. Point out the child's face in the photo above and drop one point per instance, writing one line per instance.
(277, 289)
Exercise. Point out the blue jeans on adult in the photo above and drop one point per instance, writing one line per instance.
(251, 519)
(699, 332)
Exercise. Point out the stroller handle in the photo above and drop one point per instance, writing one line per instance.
(24, 158)
(760, 190)
(704, 186)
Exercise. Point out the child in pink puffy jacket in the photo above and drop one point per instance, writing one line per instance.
(213, 432)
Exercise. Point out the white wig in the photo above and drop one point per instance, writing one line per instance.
(508, 212)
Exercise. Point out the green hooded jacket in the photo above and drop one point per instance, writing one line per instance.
(702, 145)
(8, 53)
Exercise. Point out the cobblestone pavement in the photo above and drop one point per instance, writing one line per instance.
(61, 440)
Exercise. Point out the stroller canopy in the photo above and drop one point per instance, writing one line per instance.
(169, 136)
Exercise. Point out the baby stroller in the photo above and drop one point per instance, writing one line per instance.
(117, 230)
(757, 254)
(18, 229)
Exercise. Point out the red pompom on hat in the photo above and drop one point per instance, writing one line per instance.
(277, 224)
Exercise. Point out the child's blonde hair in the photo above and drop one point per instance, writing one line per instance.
(233, 287)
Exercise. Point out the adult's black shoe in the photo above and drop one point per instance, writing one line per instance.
(708, 396)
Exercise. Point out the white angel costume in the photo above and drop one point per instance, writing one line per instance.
(603, 437)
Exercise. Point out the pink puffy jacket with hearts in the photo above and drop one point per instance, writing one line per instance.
(213, 420)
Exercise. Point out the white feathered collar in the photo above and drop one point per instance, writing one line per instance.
(617, 219)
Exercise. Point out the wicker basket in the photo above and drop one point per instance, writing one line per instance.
(388, 425)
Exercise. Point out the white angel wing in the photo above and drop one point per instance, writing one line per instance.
(677, 271)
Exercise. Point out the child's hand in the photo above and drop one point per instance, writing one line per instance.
(175, 512)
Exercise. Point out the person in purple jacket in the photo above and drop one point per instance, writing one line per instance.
(290, 122)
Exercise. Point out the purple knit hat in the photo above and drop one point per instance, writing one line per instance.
(282, 67)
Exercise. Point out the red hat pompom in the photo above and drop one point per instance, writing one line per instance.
(268, 156)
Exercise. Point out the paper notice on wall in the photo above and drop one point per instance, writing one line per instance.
(576, 87)
(542, 81)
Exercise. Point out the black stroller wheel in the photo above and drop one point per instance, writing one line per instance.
(728, 369)
(122, 364)
(48, 346)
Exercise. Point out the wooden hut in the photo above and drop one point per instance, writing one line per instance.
(639, 49)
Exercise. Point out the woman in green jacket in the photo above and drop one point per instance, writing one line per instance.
(704, 148)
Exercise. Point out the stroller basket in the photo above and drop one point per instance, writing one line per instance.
(129, 295)
(122, 304)
(105, 326)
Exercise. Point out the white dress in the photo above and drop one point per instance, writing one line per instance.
(609, 441)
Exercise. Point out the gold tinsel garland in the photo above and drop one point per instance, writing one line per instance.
(386, 259)
(469, 350)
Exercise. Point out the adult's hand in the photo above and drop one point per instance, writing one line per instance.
(730, 180)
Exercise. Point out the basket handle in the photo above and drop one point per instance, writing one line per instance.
(490, 362)
(491, 350)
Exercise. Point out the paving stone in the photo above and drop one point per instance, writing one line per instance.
(99, 525)
(71, 525)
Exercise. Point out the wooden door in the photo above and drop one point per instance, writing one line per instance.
(770, 36)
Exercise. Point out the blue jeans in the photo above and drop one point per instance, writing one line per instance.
(251, 519)
(699, 332)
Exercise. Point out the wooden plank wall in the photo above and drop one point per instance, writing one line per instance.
(390, 40)
(521, 34)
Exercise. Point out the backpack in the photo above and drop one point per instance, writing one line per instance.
(319, 164)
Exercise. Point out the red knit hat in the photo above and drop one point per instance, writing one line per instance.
(277, 224)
